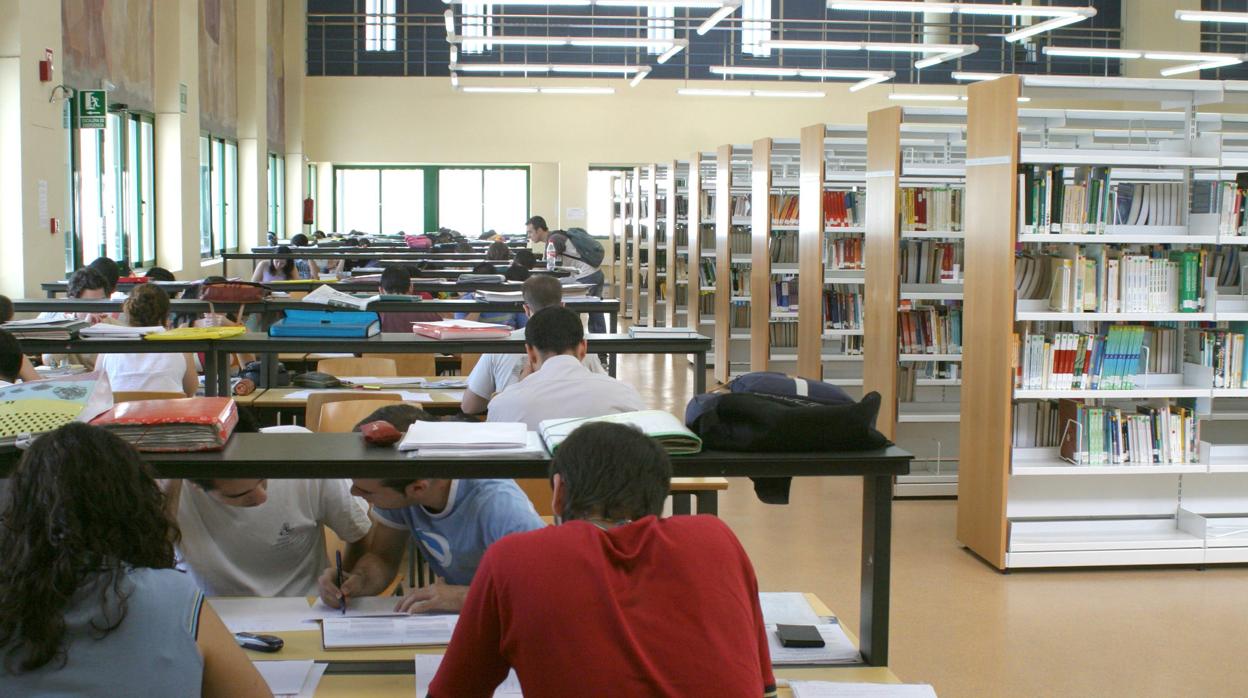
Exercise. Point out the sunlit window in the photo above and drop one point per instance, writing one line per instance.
(380, 26)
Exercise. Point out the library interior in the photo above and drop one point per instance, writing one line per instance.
(316, 315)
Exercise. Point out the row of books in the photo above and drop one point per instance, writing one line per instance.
(1093, 435)
(706, 303)
(843, 209)
(909, 375)
(739, 240)
(784, 247)
(784, 209)
(1114, 360)
(739, 280)
(56, 330)
(1036, 424)
(706, 272)
(1224, 265)
(739, 314)
(843, 307)
(1114, 281)
(931, 208)
(1226, 199)
(1219, 350)
(930, 329)
(930, 262)
(783, 333)
(843, 252)
(784, 293)
(740, 206)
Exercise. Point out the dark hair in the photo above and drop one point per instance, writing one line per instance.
(463, 246)
(537, 222)
(107, 269)
(10, 356)
(160, 274)
(498, 251)
(300, 240)
(484, 268)
(613, 471)
(400, 416)
(82, 509)
(247, 424)
(525, 258)
(86, 279)
(515, 272)
(289, 269)
(541, 292)
(554, 330)
(271, 238)
(396, 279)
(147, 306)
(123, 269)
(318, 234)
(6, 309)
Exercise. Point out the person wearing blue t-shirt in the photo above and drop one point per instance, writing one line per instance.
(454, 521)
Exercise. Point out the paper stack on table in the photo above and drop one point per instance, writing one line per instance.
(838, 689)
(404, 395)
(405, 631)
(461, 329)
(267, 615)
(837, 648)
(427, 667)
(292, 678)
(106, 331)
(361, 607)
(787, 608)
(461, 436)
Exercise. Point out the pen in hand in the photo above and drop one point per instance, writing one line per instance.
(338, 561)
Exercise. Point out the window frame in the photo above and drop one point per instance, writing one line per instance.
(431, 179)
(221, 217)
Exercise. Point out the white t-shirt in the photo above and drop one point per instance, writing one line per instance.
(148, 372)
(563, 388)
(275, 549)
(582, 269)
(495, 372)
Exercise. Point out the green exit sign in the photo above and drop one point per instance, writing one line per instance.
(92, 108)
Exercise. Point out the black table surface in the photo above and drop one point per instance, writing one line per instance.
(367, 285)
(179, 305)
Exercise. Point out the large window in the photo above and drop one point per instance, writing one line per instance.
(277, 195)
(379, 25)
(114, 192)
(218, 194)
(470, 200)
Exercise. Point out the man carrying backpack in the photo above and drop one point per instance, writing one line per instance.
(579, 251)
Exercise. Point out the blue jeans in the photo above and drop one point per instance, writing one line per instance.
(597, 321)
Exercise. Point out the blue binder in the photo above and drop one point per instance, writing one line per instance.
(320, 323)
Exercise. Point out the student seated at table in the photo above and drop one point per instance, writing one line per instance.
(454, 521)
(111, 272)
(6, 309)
(498, 251)
(84, 284)
(92, 604)
(513, 320)
(148, 306)
(14, 365)
(159, 274)
(397, 281)
(276, 269)
(495, 372)
(615, 600)
(560, 385)
(303, 266)
(260, 537)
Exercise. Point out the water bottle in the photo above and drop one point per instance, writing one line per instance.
(552, 257)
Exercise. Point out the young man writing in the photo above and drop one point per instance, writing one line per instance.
(495, 372)
(454, 521)
(615, 600)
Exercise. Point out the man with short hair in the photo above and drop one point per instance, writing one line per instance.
(560, 385)
(585, 273)
(495, 372)
(110, 270)
(454, 521)
(396, 280)
(86, 284)
(615, 600)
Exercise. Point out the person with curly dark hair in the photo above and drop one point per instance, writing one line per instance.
(14, 365)
(90, 602)
(148, 306)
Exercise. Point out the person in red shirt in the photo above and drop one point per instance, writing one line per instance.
(614, 600)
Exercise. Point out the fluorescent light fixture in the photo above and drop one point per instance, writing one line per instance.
(1042, 27)
(839, 73)
(641, 75)
(794, 94)
(970, 8)
(1183, 56)
(670, 53)
(902, 96)
(701, 92)
(578, 90)
(449, 16)
(454, 79)
(693, 4)
(715, 18)
(561, 3)
(1209, 16)
(500, 90)
(872, 81)
(791, 44)
(891, 6)
(590, 68)
(750, 70)
(619, 42)
(515, 40)
(868, 77)
(944, 52)
(1077, 52)
(1193, 67)
(502, 68)
(454, 54)
(974, 77)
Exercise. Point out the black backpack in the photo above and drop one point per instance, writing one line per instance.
(590, 249)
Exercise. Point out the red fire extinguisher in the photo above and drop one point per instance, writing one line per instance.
(309, 208)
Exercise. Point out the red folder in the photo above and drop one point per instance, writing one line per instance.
(461, 329)
(167, 426)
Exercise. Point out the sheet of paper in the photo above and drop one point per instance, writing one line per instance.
(837, 648)
(362, 607)
(427, 667)
(533, 447)
(256, 615)
(837, 689)
(407, 631)
(406, 395)
(384, 380)
(787, 608)
(465, 435)
(285, 678)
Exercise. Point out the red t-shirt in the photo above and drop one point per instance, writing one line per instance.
(658, 607)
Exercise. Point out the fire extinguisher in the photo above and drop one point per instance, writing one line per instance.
(309, 207)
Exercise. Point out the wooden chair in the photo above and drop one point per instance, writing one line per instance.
(408, 364)
(467, 362)
(317, 402)
(342, 416)
(540, 493)
(357, 367)
(132, 395)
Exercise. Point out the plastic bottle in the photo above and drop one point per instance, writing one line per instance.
(552, 257)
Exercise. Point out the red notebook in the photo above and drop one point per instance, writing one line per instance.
(167, 426)
(461, 329)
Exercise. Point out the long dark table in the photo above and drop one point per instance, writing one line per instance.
(346, 455)
(357, 253)
(55, 288)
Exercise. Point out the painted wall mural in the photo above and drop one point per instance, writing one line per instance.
(276, 53)
(218, 67)
(110, 40)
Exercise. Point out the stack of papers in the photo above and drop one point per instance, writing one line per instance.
(292, 678)
(58, 330)
(427, 667)
(327, 295)
(660, 425)
(646, 332)
(257, 615)
(462, 436)
(837, 689)
(532, 447)
(837, 648)
(107, 331)
(404, 395)
(787, 608)
(385, 381)
(461, 329)
(402, 631)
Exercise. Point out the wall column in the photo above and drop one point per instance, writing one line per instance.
(253, 124)
(177, 137)
(325, 196)
(294, 40)
(573, 183)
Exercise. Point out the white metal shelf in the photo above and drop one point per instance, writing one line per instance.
(1059, 316)
(931, 292)
(1155, 392)
(929, 358)
(933, 234)
(833, 333)
(928, 412)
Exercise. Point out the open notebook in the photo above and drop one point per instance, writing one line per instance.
(664, 427)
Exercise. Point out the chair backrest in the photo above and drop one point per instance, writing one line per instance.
(409, 364)
(540, 493)
(352, 366)
(467, 362)
(342, 416)
(317, 401)
(132, 395)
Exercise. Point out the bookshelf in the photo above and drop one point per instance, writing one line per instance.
(1138, 484)
(733, 167)
(703, 248)
(693, 244)
(654, 220)
(634, 260)
(676, 281)
(760, 255)
(621, 231)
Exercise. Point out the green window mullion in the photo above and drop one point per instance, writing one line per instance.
(431, 198)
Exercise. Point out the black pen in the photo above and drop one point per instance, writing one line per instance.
(338, 560)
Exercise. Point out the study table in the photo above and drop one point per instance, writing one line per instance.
(346, 455)
(361, 254)
(52, 289)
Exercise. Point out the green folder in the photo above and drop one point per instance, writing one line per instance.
(664, 427)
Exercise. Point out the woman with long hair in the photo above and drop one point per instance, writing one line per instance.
(276, 269)
(90, 602)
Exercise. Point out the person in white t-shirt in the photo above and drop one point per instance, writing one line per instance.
(148, 306)
(495, 372)
(248, 537)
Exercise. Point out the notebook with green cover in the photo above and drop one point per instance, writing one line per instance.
(664, 427)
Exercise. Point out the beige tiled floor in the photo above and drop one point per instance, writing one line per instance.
(971, 631)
